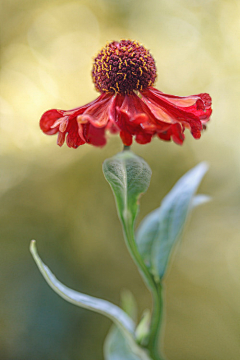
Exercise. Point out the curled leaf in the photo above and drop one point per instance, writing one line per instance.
(113, 312)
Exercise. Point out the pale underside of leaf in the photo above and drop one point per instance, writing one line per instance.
(163, 227)
(116, 314)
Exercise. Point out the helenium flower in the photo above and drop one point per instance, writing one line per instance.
(124, 73)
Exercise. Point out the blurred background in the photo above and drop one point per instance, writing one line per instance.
(59, 197)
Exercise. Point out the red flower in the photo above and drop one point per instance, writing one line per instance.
(124, 73)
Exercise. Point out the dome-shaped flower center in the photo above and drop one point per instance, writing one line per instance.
(122, 67)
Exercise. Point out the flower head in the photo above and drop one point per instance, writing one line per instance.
(122, 67)
(124, 73)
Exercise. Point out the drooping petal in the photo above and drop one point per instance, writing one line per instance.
(61, 138)
(85, 124)
(192, 111)
(64, 123)
(98, 113)
(48, 119)
(96, 136)
(159, 112)
(143, 138)
(187, 107)
(136, 118)
(62, 120)
(206, 106)
(165, 135)
(73, 139)
(126, 138)
(131, 116)
(152, 122)
(177, 134)
(196, 129)
(112, 128)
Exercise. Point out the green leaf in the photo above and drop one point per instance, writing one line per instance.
(118, 347)
(161, 229)
(142, 330)
(113, 312)
(146, 233)
(199, 200)
(129, 304)
(129, 176)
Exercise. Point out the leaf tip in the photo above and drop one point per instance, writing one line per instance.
(203, 166)
(33, 247)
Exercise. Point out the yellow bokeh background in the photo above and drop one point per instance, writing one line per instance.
(59, 197)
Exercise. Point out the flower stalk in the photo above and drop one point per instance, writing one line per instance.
(156, 290)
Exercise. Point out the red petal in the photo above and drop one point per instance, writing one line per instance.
(143, 138)
(113, 128)
(48, 119)
(61, 138)
(190, 111)
(177, 134)
(195, 107)
(96, 136)
(98, 113)
(196, 129)
(159, 112)
(126, 138)
(165, 135)
(73, 139)
(64, 124)
(132, 118)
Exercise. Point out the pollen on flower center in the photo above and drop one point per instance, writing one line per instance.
(121, 67)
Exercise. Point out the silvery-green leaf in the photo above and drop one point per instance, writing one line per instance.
(129, 176)
(142, 330)
(148, 228)
(199, 200)
(161, 229)
(146, 233)
(118, 347)
(113, 312)
(129, 304)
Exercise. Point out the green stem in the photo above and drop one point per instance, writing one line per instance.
(156, 290)
(156, 322)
